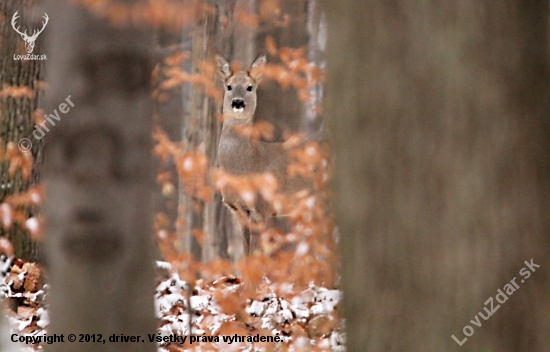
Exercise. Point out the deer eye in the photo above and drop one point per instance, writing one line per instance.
(229, 88)
(249, 88)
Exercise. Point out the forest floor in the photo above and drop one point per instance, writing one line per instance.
(306, 322)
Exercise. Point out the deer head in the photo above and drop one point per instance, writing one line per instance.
(29, 40)
(239, 100)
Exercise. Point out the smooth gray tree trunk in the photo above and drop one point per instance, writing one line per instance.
(440, 118)
(200, 134)
(99, 180)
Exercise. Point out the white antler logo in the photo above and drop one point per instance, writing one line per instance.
(29, 40)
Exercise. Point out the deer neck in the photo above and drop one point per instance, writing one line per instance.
(236, 152)
(230, 130)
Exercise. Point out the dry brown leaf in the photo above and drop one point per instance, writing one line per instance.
(230, 304)
(33, 277)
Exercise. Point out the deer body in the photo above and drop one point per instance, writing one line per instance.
(241, 155)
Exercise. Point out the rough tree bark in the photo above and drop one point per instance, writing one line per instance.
(99, 180)
(440, 120)
(17, 112)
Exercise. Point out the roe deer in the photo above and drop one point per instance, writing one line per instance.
(239, 154)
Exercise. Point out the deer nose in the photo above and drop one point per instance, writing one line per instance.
(237, 103)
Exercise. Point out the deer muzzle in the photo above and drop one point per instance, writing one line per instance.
(238, 105)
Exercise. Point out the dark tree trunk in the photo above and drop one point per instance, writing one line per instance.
(99, 180)
(440, 121)
(16, 112)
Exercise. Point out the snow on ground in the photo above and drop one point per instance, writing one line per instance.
(304, 322)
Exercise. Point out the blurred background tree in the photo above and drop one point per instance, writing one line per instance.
(440, 118)
(99, 178)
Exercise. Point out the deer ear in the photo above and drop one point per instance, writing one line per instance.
(256, 70)
(223, 67)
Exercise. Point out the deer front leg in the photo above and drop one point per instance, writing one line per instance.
(252, 224)
(253, 240)
(246, 240)
(242, 214)
(251, 234)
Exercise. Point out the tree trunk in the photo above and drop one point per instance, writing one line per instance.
(276, 104)
(212, 34)
(440, 120)
(16, 112)
(313, 120)
(200, 130)
(99, 180)
(168, 110)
